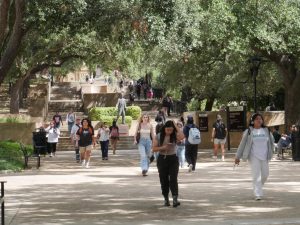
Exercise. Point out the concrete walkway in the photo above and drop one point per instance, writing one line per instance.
(114, 192)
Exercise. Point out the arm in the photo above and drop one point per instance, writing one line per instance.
(152, 131)
(213, 133)
(241, 147)
(156, 147)
(136, 132)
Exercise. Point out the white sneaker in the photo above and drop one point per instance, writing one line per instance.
(51, 154)
(83, 163)
(190, 168)
(223, 158)
(257, 198)
(215, 158)
(87, 165)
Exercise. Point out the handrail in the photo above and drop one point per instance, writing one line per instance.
(2, 199)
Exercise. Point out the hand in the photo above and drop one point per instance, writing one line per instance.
(237, 161)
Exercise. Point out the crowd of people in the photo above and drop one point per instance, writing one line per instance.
(174, 144)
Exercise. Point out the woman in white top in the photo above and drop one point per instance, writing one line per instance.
(53, 134)
(257, 146)
(103, 135)
(143, 137)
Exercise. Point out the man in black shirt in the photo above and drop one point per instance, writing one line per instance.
(218, 137)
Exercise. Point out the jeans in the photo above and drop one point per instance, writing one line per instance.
(168, 167)
(144, 146)
(70, 125)
(191, 153)
(104, 148)
(181, 154)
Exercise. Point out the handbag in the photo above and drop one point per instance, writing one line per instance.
(138, 135)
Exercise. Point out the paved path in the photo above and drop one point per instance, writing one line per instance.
(113, 192)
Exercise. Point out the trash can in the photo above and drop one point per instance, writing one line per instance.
(296, 145)
(39, 140)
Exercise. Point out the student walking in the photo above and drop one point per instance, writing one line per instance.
(53, 134)
(167, 162)
(143, 137)
(192, 139)
(74, 139)
(70, 120)
(86, 142)
(180, 147)
(103, 135)
(257, 147)
(218, 137)
(57, 120)
(114, 136)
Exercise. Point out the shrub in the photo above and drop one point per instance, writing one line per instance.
(97, 112)
(11, 157)
(109, 120)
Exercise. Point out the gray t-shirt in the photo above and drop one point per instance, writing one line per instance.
(171, 146)
(260, 144)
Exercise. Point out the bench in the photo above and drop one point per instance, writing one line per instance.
(283, 149)
(28, 155)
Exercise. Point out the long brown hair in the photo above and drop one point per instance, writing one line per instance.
(141, 118)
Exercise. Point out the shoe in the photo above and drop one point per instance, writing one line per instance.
(190, 168)
(167, 202)
(87, 165)
(144, 173)
(83, 163)
(258, 198)
(215, 158)
(175, 201)
(106, 158)
(223, 158)
(51, 155)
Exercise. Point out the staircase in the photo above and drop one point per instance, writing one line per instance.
(64, 97)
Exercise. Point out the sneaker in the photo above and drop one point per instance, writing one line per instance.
(51, 154)
(258, 198)
(83, 163)
(106, 158)
(223, 158)
(144, 173)
(190, 168)
(215, 158)
(87, 165)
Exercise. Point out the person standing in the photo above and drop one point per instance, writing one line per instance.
(257, 147)
(114, 136)
(121, 107)
(86, 142)
(53, 135)
(218, 137)
(143, 137)
(180, 147)
(58, 120)
(70, 120)
(192, 139)
(74, 140)
(167, 162)
(103, 135)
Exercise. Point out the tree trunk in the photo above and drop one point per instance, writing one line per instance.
(11, 50)
(209, 103)
(291, 78)
(15, 96)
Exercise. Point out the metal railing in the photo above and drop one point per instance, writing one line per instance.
(2, 199)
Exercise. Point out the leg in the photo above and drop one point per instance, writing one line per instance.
(82, 155)
(49, 148)
(143, 155)
(264, 171)
(173, 173)
(54, 148)
(188, 154)
(102, 149)
(256, 176)
(216, 146)
(223, 150)
(106, 143)
(77, 155)
(123, 117)
(163, 175)
(194, 156)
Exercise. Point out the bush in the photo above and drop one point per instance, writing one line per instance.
(109, 120)
(12, 119)
(97, 112)
(11, 157)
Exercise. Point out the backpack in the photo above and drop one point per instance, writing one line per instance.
(114, 132)
(194, 136)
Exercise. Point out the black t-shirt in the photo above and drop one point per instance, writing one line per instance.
(220, 132)
(86, 136)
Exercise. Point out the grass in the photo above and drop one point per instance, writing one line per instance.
(11, 157)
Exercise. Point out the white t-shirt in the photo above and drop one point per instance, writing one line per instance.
(260, 144)
(104, 134)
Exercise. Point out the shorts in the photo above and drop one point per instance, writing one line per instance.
(219, 141)
(86, 148)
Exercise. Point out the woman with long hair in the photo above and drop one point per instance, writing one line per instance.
(86, 141)
(257, 147)
(143, 137)
(114, 136)
(167, 162)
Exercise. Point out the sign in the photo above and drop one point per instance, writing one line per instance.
(203, 122)
(236, 118)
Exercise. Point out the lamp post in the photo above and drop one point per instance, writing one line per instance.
(255, 62)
